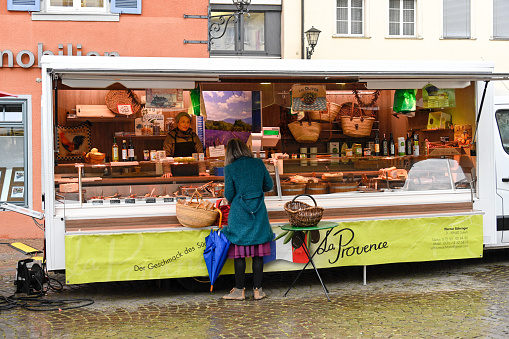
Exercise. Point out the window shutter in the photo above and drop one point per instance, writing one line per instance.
(126, 6)
(24, 5)
(500, 22)
(457, 19)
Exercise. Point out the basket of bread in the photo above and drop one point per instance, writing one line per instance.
(199, 213)
(94, 156)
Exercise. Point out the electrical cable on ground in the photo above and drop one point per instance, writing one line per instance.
(35, 303)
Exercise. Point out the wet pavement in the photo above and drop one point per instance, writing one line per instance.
(448, 299)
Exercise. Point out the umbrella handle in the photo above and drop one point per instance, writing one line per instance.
(220, 218)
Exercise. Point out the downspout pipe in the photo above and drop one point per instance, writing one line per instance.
(302, 56)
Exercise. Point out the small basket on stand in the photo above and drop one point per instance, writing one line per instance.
(301, 214)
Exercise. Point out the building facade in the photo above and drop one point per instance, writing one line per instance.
(401, 30)
(61, 27)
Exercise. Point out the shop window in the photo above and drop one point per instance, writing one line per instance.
(350, 17)
(402, 18)
(14, 147)
(502, 117)
(258, 34)
(75, 9)
(456, 19)
(500, 22)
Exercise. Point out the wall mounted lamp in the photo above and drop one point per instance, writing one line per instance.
(312, 38)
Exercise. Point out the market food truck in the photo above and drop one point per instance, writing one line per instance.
(338, 129)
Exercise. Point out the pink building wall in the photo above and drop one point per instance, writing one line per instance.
(158, 32)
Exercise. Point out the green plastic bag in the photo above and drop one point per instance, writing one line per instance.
(195, 100)
(404, 100)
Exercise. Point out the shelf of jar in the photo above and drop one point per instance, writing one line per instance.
(99, 119)
(327, 158)
(155, 137)
(436, 129)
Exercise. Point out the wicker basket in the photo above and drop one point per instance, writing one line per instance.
(122, 97)
(301, 214)
(354, 124)
(194, 214)
(329, 115)
(305, 131)
(95, 158)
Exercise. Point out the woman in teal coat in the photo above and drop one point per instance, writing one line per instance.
(245, 181)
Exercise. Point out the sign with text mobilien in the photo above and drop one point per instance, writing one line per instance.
(26, 58)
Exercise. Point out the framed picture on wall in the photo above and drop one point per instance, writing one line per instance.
(16, 193)
(2, 177)
(17, 185)
(73, 142)
(18, 176)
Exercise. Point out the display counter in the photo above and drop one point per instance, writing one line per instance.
(136, 197)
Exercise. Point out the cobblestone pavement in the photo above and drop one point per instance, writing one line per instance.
(449, 299)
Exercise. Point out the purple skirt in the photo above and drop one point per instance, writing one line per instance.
(239, 251)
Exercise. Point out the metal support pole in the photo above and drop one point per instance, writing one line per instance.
(364, 275)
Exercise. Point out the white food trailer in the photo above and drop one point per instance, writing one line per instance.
(451, 204)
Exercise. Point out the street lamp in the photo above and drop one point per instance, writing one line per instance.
(312, 38)
(217, 29)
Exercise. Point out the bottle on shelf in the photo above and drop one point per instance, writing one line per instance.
(377, 144)
(385, 147)
(392, 146)
(416, 145)
(401, 146)
(124, 150)
(130, 150)
(409, 144)
(114, 150)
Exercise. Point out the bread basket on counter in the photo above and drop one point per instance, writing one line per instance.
(196, 214)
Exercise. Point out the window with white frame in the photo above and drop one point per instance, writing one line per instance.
(88, 6)
(350, 17)
(93, 7)
(14, 147)
(402, 18)
(456, 19)
(500, 22)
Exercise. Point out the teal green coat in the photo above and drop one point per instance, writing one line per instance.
(245, 181)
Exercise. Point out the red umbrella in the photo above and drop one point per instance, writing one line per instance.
(5, 94)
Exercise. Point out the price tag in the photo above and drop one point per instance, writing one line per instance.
(168, 199)
(130, 201)
(216, 151)
(97, 202)
(150, 200)
(125, 109)
(114, 201)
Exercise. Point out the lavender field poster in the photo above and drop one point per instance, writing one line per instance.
(229, 115)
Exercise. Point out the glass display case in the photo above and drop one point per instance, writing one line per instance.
(137, 182)
(143, 182)
(330, 175)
